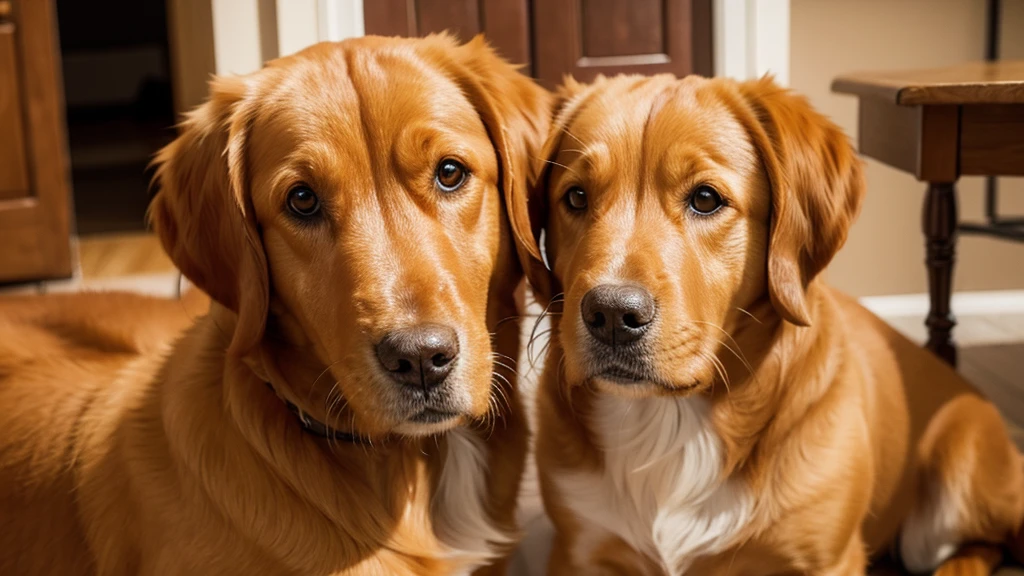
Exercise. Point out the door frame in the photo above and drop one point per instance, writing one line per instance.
(750, 37)
(340, 19)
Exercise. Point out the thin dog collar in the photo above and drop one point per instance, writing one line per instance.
(314, 426)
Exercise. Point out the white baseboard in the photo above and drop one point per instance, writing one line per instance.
(964, 304)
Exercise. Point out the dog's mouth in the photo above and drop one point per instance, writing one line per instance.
(636, 381)
(626, 367)
(429, 421)
(433, 416)
(623, 376)
(628, 379)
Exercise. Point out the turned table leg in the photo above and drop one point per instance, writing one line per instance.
(939, 223)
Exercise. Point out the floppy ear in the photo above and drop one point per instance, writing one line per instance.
(534, 205)
(517, 113)
(816, 183)
(203, 214)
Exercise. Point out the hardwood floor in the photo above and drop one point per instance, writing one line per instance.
(998, 370)
(110, 255)
(132, 261)
(991, 353)
(991, 357)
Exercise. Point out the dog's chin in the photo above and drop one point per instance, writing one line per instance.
(429, 422)
(626, 385)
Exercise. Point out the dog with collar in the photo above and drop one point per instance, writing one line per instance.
(348, 405)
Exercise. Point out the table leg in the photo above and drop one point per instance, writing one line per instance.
(939, 223)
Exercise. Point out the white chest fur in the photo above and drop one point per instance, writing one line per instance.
(661, 490)
(461, 520)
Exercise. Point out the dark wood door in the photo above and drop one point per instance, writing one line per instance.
(554, 38)
(585, 38)
(34, 189)
(504, 22)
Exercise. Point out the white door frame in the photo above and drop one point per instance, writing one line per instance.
(751, 39)
(340, 19)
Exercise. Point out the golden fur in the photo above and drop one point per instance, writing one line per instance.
(825, 431)
(144, 457)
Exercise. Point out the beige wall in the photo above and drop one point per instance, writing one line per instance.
(885, 251)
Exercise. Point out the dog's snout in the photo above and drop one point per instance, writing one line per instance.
(617, 314)
(420, 356)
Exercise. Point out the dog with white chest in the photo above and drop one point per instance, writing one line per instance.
(708, 404)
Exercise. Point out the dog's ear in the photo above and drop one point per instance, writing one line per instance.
(203, 213)
(817, 184)
(534, 206)
(517, 113)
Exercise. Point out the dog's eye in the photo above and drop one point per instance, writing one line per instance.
(451, 175)
(576, 199)
(303, 202)
(705, 200)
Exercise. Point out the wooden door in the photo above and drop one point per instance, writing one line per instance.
(34, 172)
(585, 38)
(504, 22)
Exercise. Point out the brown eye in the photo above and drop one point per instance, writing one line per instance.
(303, 202)
(576, 199)
(705, 200)
(451, 175)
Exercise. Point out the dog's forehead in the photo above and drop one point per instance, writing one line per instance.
(693, 127)
(376, 89)
(615, 112)
(675, 127)
(697, 110)
(351, 106)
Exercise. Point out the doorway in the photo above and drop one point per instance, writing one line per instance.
(119, 106)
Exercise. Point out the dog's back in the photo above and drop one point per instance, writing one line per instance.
(60, 357)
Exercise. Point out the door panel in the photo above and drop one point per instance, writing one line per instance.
(461, 17)
(590, 37)
(504, 22)
(13, 169)
(608, 27)
(34, 222)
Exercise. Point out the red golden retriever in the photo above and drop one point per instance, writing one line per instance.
(345, 406)
(709, 406)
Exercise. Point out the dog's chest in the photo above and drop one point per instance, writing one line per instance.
(661, 490)
(459, 510)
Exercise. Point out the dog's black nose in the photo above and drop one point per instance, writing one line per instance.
(617, 314)
(420, 356)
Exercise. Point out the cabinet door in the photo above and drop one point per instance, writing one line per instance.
(585, 38)
(34, 189)
(504, 22)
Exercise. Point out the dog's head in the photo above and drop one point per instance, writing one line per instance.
(347, 206)
(670, 207)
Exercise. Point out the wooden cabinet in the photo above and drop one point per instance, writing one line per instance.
(34, 175)
(553, 38)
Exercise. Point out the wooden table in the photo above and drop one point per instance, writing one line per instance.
(938, 125)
